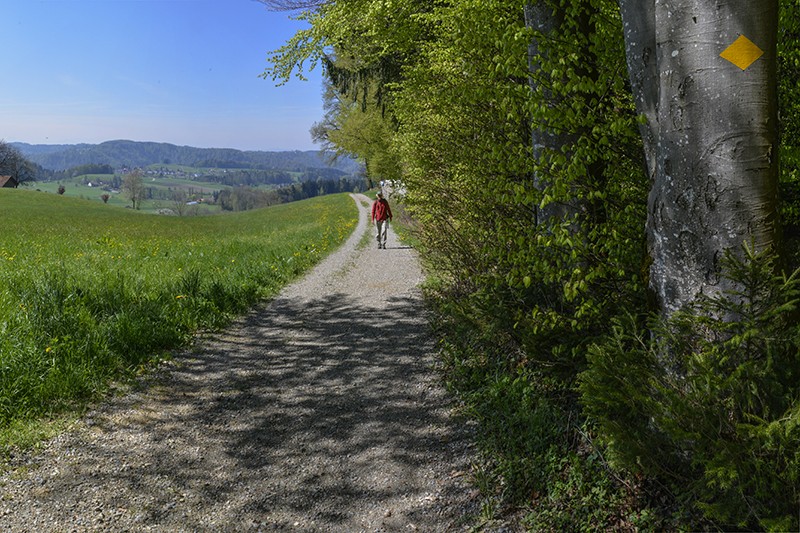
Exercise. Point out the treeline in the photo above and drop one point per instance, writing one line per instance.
(246, 198)
(288, 166)
(43, 174)
(629, 363)
(247, 178)
(252, 178)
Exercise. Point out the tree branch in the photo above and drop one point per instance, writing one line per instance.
(292, 5)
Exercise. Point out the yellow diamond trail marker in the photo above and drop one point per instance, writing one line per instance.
(742, 52)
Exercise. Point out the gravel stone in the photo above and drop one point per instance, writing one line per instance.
(318, 411)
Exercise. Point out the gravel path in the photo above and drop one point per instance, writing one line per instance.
(318, 411)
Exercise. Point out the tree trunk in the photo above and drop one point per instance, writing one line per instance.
(545, 19)
(540, 17)
(710, 137)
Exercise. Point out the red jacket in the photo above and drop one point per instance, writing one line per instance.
(381, 210)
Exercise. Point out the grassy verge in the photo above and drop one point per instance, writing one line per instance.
(90, 294)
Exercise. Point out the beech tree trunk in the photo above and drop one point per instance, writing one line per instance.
(710, 137)
(546, 19)
(542, 18)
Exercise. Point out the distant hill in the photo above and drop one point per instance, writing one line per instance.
(123, 153)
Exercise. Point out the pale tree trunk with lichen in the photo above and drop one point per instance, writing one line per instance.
(710, 134)
(541, 18)
(545, 20)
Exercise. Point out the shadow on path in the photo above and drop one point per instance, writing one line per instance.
(331, 390)
(317, 412)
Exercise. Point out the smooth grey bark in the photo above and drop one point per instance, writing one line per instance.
(711, 136)
(541, 17)
(639, 27)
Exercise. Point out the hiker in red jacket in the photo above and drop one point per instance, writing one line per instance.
(381, 216)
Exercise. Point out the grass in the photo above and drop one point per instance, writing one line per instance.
(90, 294)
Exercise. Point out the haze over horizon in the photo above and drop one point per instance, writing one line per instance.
(183, 72)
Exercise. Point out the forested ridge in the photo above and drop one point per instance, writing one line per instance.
(132, 154)
(606, 197)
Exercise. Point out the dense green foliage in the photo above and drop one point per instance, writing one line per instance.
(539, 249)
(89, 293)
(789, 101)
(245, 198)
(518, 149)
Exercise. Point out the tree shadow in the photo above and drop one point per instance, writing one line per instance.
(324, 413)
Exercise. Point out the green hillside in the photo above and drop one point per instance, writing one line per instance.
(123, 153)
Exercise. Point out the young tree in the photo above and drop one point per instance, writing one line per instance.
(133, 188)
(359, 131)
(704, 78)
(179, 200)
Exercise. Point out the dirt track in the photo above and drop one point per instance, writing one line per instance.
(316, 412)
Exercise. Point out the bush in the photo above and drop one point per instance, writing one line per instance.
(709, 404)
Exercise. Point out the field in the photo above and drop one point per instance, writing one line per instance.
(85, 187)
(90, 293)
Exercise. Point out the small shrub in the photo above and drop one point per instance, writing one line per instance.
(710, 404)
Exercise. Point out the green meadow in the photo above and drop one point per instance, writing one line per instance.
(91, 293)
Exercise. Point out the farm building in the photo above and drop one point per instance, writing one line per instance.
(8, 181)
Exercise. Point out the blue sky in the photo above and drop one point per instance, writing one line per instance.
(184, 72)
